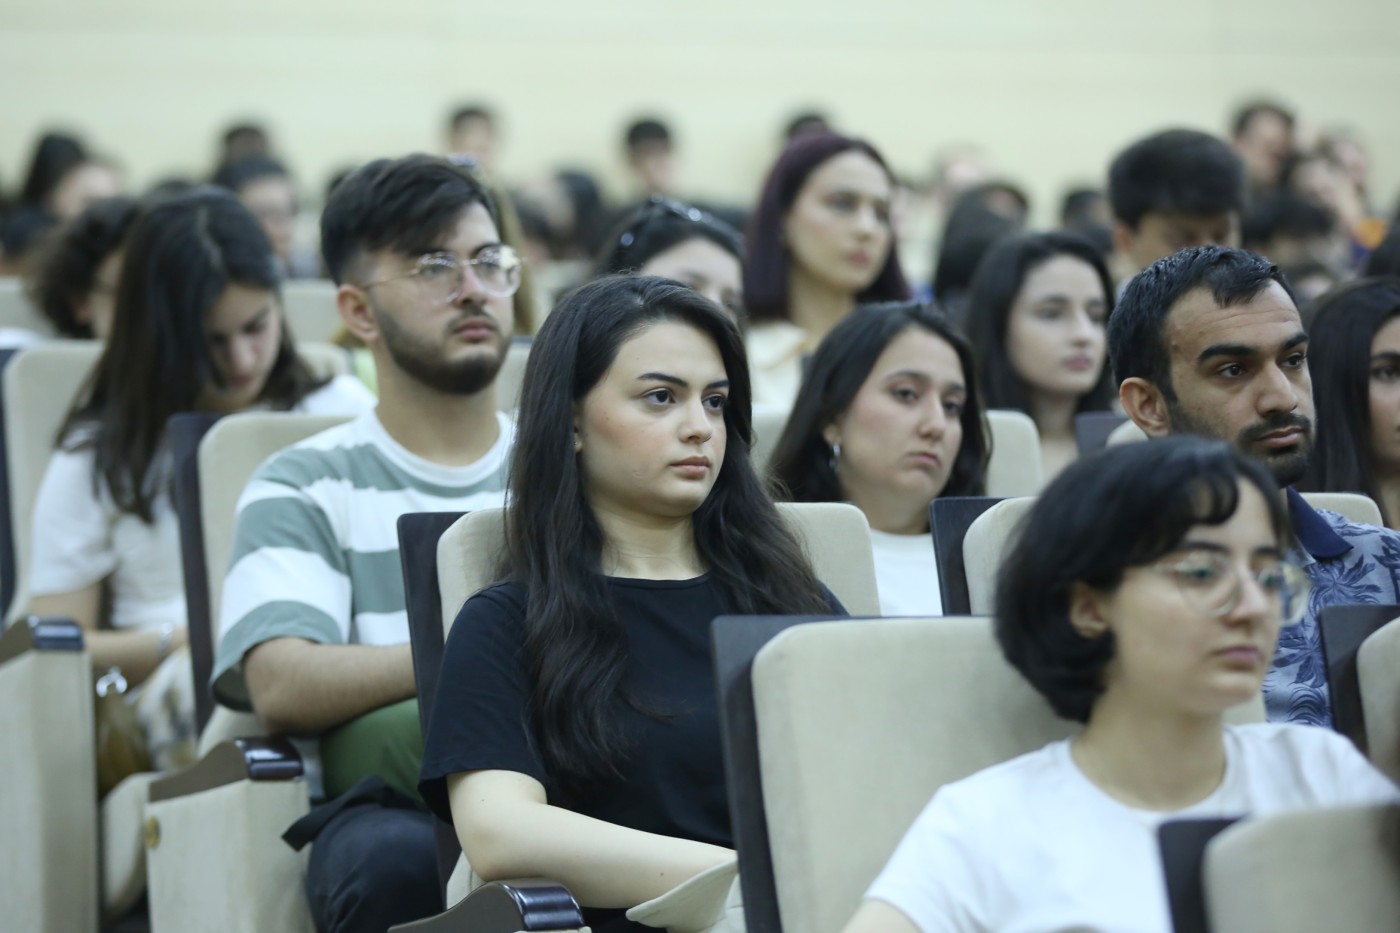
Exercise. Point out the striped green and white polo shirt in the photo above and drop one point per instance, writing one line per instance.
(316, 551)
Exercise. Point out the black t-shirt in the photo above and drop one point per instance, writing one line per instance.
(672, 781)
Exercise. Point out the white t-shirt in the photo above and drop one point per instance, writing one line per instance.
(80, 537)
(906, 574)
(1032, 846)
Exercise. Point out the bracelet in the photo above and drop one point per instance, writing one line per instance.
(167, 637)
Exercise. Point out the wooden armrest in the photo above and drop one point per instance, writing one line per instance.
(40, 633)
(530, 904)
(254, 759)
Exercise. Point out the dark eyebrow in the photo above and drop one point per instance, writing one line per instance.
(1245, 350)
(924, 378)
(1387, 355)
(678, 381)
(1266, 551)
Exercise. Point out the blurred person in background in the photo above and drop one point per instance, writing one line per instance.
(819, 243)
(1354, 354)
(76, 270)
(651, 156)
(64, 178)
(1262, 133)
(806, 121)
(1290, 229)
(472, 131)
(242, 139)
(1172, 190)
(971, 230)
(1036, 317)
(1085, 211)
(679, 241)
(264, 186)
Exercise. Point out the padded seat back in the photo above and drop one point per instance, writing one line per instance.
(1015, 468)
(986, 543)
(1126, 433)
(308, 305)
(41, 383)
(1352, 506)
(1332, 869)
(835, 534)
(768, 424)
(1378, 677)
(324, 359)
(16, 310)
(511, 378)
(909, 704)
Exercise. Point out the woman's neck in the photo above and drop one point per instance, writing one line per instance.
(1388, 487)
(1053, 415)
(891, 517)
(645, 547)
(814, 306)
(1151, 758)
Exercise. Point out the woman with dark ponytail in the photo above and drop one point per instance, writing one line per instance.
(575, 733)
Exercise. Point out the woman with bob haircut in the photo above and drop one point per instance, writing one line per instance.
(1143, 598)
(1354, 357)
(1035, 315)
(575, 733)
(889, 418)
(197, 327)
(674, 240)
(74, 280)
(819, 243)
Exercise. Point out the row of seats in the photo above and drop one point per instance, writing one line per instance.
(249, 879)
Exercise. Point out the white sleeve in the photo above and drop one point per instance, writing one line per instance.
(71, 535)
(1350, 778)
(932, 877)
(343, 395)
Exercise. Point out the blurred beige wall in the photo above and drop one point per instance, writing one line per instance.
(1050, 89)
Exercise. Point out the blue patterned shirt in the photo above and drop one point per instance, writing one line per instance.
(1348, 564)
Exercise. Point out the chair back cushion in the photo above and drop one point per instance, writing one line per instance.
(985, 545)
(1331, 869)
(1015, 468)
(41, 383)
(1378, 676)
(309, 308)
(1352, 506)
(859, 723)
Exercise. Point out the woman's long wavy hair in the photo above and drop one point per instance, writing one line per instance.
(180, 256)
(575, 648)
(803, 468)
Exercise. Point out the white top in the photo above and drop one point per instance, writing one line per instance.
(80, 537)
(906, 574)
(1032, 846)
(775, 350)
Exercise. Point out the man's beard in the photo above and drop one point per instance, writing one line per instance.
(424, 361)
(1287, 466)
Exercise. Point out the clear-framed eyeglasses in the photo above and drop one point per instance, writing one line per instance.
(1210, 584)
(442, 277)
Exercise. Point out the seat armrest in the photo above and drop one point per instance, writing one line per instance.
(531, 904)
(255, 759)
(40, 633)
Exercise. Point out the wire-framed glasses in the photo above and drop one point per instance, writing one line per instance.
(442, 277)
(1210, 584)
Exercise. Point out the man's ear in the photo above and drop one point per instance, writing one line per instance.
(1144, 403)
(352, 302)
(1086, 615)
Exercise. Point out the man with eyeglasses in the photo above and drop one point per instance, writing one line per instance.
(1209, 341)
(314, 632)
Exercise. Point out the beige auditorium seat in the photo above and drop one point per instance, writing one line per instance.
(1336, 870)
(836, 535)
(309, 308)
(16, 311)
(768, 424)
(1352, 506)
(242, 793)
(987, 540)
(1378, 672)
(921, 702)
(325, 359)
(41, 383)
(1015, 468)
(1126, 433)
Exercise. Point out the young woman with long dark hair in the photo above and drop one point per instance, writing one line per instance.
(197, 327)
(575, 733)
(889, 418)
(819, 243)
(1143, 598)
(1035, 315)
(1354, 357)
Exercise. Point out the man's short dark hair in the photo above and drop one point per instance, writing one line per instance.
(469, 112)
(1246, 114)
(1136, 344)
(1283, 213)
(406, 205)
(235, 174)
(647, 130)
(1175, 172)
